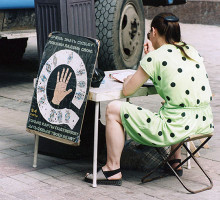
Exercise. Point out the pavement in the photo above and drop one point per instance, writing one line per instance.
(61, 179)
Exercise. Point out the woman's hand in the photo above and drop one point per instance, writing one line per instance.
(148, 47)
(135, 81)
(127, 79)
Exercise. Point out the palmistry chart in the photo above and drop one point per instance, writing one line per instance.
(61, 90)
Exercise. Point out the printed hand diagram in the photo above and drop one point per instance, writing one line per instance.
(60, 91)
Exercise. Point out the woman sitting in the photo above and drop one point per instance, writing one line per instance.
(179, 76)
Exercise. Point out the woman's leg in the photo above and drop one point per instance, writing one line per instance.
(114, 138)
(177, 155)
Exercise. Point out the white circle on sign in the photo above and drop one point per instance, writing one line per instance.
(62, 116)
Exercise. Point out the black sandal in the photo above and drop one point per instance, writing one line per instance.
(102, 177)
(171, 162)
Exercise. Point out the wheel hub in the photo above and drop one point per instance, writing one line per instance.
(129, 32)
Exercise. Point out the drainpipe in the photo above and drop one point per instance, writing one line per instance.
(16, 4)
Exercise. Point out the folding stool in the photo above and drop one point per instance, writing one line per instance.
(191, 155)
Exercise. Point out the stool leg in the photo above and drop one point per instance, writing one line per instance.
(206, 146)
(191, 155)
(95, 151)
(196, 161)
(193, 148)
(187, 154)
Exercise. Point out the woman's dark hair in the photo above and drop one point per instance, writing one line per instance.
(167, 25)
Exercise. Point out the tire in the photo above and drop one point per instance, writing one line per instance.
(12, 51)
(120, 27)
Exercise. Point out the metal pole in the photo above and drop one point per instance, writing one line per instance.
(36, 150)
(95, 151)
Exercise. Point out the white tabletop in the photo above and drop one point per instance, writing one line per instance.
(112, 90)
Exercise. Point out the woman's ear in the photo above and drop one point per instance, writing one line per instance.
(154, 31)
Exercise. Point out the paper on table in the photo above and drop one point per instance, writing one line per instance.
(122, 75)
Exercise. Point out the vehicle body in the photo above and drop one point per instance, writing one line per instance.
(119, 27)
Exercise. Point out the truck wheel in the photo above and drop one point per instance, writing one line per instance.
(120, 28)
(11, 51)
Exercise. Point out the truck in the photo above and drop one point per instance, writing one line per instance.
(120, 27)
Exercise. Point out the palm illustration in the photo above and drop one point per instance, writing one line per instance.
(60, 91)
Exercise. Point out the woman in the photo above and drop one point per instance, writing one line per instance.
(180, 78)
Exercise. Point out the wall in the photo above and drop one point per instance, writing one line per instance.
(193, 12)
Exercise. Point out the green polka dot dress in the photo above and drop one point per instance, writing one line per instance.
(183, 84)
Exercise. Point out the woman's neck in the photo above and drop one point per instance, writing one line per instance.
(160, 42)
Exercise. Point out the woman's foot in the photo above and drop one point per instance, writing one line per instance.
(112, 177)
(174, 163)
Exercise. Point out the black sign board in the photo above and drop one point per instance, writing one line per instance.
(62, 87)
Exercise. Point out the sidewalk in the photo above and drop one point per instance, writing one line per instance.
(59, 179)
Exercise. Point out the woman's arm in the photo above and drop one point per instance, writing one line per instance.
(133, 82)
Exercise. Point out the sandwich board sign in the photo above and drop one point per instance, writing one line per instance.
(60, 95)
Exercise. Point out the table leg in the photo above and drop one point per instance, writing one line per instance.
(95, 151)
(36, 150)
